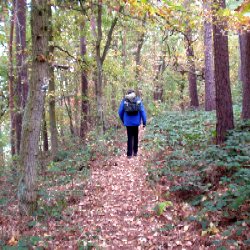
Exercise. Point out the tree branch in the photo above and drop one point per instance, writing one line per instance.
(65, 51)
(109, 38)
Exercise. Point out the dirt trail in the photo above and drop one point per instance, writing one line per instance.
(118, 206)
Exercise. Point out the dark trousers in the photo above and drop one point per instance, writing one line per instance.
(132, 146)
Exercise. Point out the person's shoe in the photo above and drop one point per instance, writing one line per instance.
(135, 154)
(129, 156)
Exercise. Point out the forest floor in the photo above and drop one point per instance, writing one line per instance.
(119, 204)
(119, 208)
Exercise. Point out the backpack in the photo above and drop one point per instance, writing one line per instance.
(132, 107)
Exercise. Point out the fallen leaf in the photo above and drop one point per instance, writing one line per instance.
(12, 241)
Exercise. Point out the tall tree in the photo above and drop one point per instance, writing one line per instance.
(21, 90)
(140, 43)
(245, 75)
(84, 87)
(224, 110)
(11, 80)
(208, 54)
(192, 79)
(27, 190)
(52, 103)
(100, 58)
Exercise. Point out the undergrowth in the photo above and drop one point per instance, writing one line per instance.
(214, 179)
(61, 185)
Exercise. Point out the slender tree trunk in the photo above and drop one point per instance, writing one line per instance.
(99, 62)
(21, 90)
(2, 158)
(45, 134)
(98, 82)
(224, 110)
(138, 51)
(239, 64)
(124, 47)
(245, 74)
(11, 81)
(193, 92)
(67, 103)
(84, 91)
(209, 64)
(52, 103)
(27, 190)
(158, 88)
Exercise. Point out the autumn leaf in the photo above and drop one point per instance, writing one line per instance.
(12, 241)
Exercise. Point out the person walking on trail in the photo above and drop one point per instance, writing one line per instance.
(131, 113)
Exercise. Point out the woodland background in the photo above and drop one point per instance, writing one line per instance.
(66, 65)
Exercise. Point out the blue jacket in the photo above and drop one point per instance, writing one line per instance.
(132, 120)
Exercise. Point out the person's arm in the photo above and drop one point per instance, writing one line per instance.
(121, 111)
(143, 115)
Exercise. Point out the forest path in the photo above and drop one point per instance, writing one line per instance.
(118, 206)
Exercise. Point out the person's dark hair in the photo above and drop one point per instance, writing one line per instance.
(130, 91)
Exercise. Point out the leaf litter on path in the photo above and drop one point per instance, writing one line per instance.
(120, 204)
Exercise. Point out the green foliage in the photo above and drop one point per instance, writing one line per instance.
(213, 178)
(161, 207)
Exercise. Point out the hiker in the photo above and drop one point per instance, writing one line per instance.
(131, 112)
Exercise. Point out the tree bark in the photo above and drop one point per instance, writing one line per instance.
(67, 103)
(193, 93)
(84, 91)
(124, 47)
(98, 82)
(138, 51)
(45, 134)
(209, 64)
(52, 103)
(21, 90)
(224, 110)
(245, 74)
(158, 88)
(99, 63)
(192, 79)
(2, 158)
(27, 190)
(11, 81)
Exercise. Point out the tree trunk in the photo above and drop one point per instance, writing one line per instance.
(138, 51)
(245, 75)
(209, 64)
(124, 47)
(158, 88)
(99, 63)
(2, 158)
(52, 103)
(21, 89)
(193, 93)
(67, 103)
(224, 110)
(98, 81)
(45, 134)
(84, 91)
(27, 190)
(11, 81)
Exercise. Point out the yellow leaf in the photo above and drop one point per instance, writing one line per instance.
(203, 233)
(12, 241)
(214, 230)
